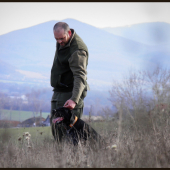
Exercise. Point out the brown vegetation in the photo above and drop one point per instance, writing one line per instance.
(8, 123)
(135, 139)
(31, 121)
(143, 144)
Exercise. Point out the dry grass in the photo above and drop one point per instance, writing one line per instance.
(141, 145)
(138, 139)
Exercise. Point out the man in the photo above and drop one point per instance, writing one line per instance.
(68, 73)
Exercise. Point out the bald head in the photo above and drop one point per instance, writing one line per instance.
(62, 33)
(61, 25)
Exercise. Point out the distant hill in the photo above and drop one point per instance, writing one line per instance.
(29, 52)
(154, 33)
(8, 71)
(6, 68)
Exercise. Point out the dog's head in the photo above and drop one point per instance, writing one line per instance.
(62, 115)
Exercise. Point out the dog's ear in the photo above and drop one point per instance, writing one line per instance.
(60, 108)
(54, 111)
(68, 111)
(72, 117)
(71, 111)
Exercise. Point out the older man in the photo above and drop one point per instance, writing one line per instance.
(68, 73)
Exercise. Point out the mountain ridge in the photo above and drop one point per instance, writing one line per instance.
(151, 33)
(32, 49)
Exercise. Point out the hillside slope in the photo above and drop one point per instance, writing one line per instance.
(30, 52)
(154, 33)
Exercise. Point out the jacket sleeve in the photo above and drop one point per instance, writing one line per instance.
(78, 62)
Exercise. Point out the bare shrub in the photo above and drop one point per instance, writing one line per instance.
(141, 91)
(141, 100)
(139, 138)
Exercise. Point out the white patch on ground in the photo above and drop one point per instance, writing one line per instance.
(31, 74)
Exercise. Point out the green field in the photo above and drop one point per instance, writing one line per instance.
(17, 115)
(20, 115)
(15, 133)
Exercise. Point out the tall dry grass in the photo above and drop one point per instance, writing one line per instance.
(139, 138)
(143, 125)
(140, 145)
(45, 152)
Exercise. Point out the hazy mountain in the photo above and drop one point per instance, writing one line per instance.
(154, 33)
(31, 51)
(30, 47)
(6, 68)
(8, 71)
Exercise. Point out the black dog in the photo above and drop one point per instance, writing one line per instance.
(76, 128)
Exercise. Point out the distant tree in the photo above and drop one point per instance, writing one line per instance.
(20, 104)
(90, 113)
(106, 112)
(3, 100)
(35, 100)
(141, 90)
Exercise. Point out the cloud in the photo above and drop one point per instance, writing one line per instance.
(30, 74)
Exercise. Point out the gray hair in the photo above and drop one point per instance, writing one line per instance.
(60, 25)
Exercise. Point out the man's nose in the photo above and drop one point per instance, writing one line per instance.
(59, 41)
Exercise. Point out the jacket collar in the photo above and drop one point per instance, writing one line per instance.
(69, 42)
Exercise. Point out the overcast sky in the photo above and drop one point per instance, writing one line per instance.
(20, 15)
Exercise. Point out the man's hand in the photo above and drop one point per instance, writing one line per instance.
(70, 104)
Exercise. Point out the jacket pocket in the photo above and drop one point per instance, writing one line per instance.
(59, 83)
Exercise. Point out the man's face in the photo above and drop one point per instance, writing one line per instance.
(62, 37)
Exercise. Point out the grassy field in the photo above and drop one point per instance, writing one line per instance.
(142, 142)
(139, 138)
(20, 115)
(42, 150)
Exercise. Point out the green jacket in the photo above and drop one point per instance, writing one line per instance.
(68, 72)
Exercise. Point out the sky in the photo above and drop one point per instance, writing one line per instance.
(18, 15)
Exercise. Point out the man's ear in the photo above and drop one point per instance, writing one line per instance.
(69, 32)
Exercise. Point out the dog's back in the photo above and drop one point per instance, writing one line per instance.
(81, 130)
